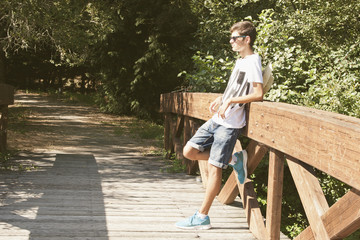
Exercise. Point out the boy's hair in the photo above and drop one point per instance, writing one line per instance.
(245, 28)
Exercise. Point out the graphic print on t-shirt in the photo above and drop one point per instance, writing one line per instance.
(240, 88)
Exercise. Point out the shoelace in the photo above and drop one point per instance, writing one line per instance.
(192, 218)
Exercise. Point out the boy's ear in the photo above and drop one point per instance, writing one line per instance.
(248, 39)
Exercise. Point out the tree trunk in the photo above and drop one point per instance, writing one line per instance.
(2, 55)
(2, 66)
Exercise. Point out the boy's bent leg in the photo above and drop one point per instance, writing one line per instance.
(212, 188)
(194, 154)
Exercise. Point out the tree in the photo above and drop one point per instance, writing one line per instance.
(142, 57)
(314, 47)
(61, 31)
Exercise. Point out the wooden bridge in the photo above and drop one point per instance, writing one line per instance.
(93, 184)
(96, 185)
(305, 138)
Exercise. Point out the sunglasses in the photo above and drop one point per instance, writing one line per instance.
(236, 37)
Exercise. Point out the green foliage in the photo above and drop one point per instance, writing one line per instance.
(150, 130)
(214, 59)
(174, 165)
(4, 161)
(66, 28)
(215, 19)
(74, 97)
(7, 163)
(210, 74)
(47, 42)
(311, 66)
(141, 129)
(141, 58)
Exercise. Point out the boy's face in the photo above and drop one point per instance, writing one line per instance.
(238, 42)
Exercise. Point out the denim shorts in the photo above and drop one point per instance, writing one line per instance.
(219, 139)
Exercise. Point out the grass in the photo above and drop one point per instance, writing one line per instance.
(173, 165)
(7, 163)
(17, 118)
(146, 131)
(141, 129)
(72, 97)
(17, 123)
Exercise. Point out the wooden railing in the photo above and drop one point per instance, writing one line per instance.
(305, 138)
(6, 98)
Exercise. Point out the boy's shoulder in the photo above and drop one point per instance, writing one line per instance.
(253, 59)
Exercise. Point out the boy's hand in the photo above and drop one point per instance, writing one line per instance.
(214, 105)
(223, 108)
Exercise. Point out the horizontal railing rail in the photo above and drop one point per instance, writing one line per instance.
(303, 137)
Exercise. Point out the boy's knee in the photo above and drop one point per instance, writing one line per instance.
(214, 170)
(189, 152)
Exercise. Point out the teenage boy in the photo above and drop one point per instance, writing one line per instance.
(214, 141)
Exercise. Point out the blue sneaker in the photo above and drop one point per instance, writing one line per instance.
(241, 165)
(194, 222)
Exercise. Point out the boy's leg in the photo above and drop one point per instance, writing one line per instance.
(196, 221)
(201, 220)
(214, 177)
(221, 151)
(212, 188)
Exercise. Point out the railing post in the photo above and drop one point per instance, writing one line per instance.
(167, 123)
(177, 127)
(255, 153)
(274, 195)
(190, 128)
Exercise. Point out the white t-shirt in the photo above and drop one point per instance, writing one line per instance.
(246, 71)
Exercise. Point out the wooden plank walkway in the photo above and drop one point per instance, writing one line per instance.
(96, 185)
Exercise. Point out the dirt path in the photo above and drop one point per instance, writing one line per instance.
(57, 125)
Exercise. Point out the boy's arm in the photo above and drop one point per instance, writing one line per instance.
(256, 95)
